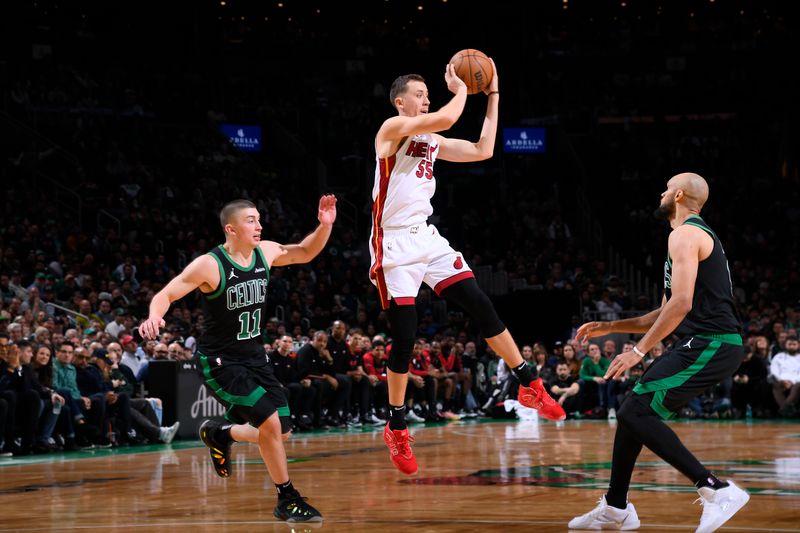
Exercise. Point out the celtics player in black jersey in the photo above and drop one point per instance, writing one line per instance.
(233, 279)
(699, 308)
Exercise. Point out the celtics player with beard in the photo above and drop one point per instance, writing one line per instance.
(233, 279)
(698, 306)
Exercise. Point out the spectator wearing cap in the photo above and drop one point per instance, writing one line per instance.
(66, 288)
(38, 282)
(133, 357)
(117, 327)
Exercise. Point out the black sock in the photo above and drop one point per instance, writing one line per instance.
(711, 481)
(285, 490)
(397, 417)
(523, 374)
(223, 434)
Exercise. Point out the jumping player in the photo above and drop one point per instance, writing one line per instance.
(406, 251)
(698, 306)
(233, 279)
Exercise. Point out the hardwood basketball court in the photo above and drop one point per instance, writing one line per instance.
(474, 476)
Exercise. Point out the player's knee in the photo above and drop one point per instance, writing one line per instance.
(401, 355)
(271, 427)
(474, 301)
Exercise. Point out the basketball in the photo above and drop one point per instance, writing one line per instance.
(474, 68)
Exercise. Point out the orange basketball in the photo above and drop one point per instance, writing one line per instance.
(474, 68)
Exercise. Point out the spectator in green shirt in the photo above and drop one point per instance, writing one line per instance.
(593, 368)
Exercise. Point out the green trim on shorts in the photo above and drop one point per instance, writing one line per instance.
(727, 338)
(661, 386)
(284, 411)
(247, 401)
(221, 286)
(658, 405)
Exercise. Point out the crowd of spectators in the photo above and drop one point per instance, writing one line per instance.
(116, 171)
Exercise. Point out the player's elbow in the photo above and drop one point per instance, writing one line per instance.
(682, 305)
(485, 153)
(445, 121)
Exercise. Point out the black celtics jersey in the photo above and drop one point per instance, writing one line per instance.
(233, 315)
(713, 307)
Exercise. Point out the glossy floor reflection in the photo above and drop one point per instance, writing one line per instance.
(491, 476)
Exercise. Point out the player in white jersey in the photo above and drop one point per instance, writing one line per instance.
(406, 251)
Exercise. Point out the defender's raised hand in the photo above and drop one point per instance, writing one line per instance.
(327, 209)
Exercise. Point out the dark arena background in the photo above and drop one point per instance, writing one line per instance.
(126, 126)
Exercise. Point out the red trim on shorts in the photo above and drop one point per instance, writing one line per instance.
(407, 300)
(386, 165)
(442, 285)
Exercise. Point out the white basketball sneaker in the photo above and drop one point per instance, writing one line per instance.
(606, 517)
(719, 505)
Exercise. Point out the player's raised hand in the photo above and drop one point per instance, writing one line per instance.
(494, 85)
(592, 329)
(454, 83)
(327, 209)
(149, 328)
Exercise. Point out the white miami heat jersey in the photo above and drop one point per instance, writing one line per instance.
(404, 184)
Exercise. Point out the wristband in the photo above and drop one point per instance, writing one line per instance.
(493, 92)
(638, 352)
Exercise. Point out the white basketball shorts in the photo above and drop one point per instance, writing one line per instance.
(404, 258)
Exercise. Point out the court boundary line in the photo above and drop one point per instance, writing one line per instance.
(395, 522)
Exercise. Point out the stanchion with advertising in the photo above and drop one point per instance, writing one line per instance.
(183, 394)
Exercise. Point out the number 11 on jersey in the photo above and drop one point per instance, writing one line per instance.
(246, 331)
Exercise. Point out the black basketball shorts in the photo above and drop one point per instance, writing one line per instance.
(693, 365)
(247, 387)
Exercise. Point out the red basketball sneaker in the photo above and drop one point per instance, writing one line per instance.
(537, 398)
(399, 443)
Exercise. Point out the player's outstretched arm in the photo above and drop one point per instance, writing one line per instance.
(195, 275)
(311, 246)
(639, 324)
(441, 120)
(461, 151)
